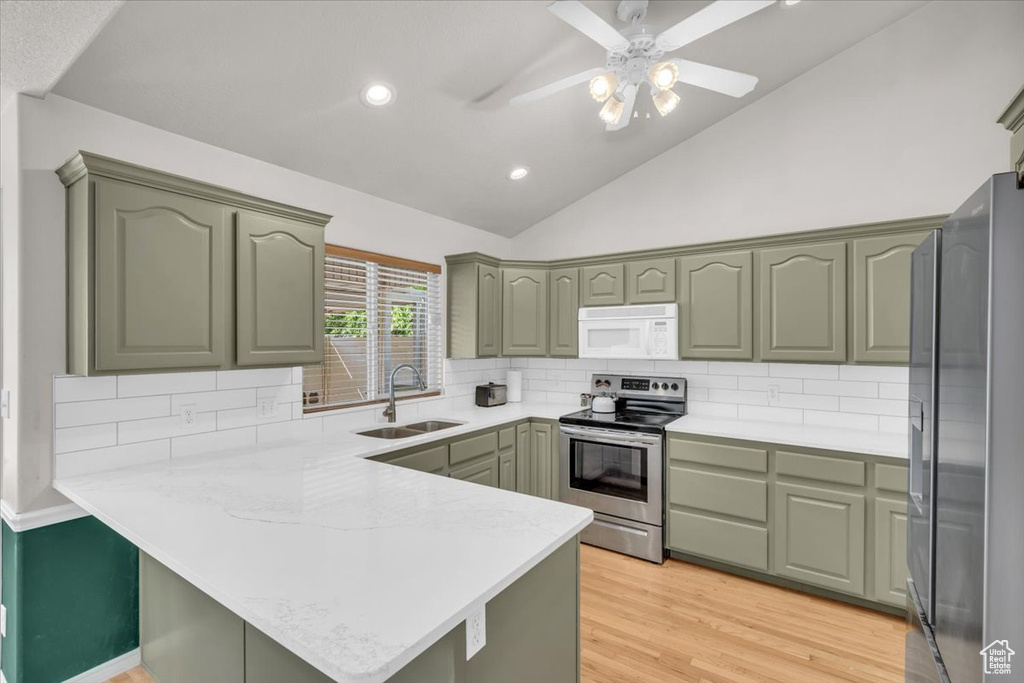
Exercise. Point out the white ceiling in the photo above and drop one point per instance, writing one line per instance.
(39, 39)
(279, 81)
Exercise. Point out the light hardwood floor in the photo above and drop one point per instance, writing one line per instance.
(680, 623)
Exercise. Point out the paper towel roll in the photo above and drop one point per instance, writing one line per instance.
(515, 386)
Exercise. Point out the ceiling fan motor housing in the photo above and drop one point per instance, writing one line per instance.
(632, 64)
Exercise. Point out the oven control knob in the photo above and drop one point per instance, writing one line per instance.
(675, 387)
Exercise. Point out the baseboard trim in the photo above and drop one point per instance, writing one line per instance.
(25, 521)
(107, 670)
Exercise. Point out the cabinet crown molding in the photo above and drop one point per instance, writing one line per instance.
(1013, 118)
(775, 240)
(84, 163)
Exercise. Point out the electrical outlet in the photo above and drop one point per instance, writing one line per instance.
(266, 407)
(476, 632)
(773, 394)
(188, 417)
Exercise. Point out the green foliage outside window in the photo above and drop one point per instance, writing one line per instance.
(352, 324)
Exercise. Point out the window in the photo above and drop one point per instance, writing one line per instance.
(379, 312)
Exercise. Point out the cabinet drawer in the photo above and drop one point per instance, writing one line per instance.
(820, 468)
(736, 457)
(474, 447)
(486, 472)
(719, 539)
(506, 438)
(434, 460)
(722, 493)
(891, 478)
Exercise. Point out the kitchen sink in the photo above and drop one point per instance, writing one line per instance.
(406, 431)
(392, 433)
(432, 425)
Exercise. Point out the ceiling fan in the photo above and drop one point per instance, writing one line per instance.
(636, 56)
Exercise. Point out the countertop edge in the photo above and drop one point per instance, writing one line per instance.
(800, 443)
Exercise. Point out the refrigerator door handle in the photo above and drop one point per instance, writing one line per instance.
(916, 483)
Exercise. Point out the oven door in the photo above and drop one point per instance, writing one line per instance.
(622, 338)
(615, 472)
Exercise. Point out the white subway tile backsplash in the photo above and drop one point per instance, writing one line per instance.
(260, 377)
(830, 387)
(217, 400)
(681, 367)
(312, 428)
(284, 393)
(787, 384)
(874, 373)
(592, 364)
(900, 392)
(80, 413)
(163, 427)
(546, 363)
(83, 388)
(722, 368)
(211, 442)
(297, 375)
(641, 366)
(569, 375)
(696, 393)
(750, 398)
(770, 414)
(873, 406)
(841, 420)
(723, 410)
(787, 400)
(84, 438)
(102, 459)
(166, 383)
(712, 381)
(893, 425)
(803, 370)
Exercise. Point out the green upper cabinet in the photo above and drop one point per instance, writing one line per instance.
(563, 311)
(488, 306)
(279, 291)
(651, 282)
(1013, 120)
(524, 325)
(603, 285)
(880, 316)
(161, 263)
(802, 302)
(474, 309)
(161, 278)
(716, 306)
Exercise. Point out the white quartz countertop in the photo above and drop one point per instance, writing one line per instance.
(355, 566)
(810, 436)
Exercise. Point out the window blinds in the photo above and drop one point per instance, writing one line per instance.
(379, 312)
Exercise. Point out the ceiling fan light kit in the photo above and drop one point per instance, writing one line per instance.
(637, 53)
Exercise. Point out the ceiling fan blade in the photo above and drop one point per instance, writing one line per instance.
(628, 100)
(733, 83)
(552, 88)
(581, 18)
(708, 20)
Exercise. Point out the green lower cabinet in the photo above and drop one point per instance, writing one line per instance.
(819, 537)
(724, 540)
(544, 460)
(484, 472)
(432, 460)
(524, 470)
(507, 471)
(891, 572)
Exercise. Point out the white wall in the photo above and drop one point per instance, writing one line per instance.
(900, 125)
(47, 132)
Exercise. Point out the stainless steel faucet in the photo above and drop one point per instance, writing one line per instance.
(389, 412)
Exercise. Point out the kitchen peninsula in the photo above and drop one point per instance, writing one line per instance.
(307, 561)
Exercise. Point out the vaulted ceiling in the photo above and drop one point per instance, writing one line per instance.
(280, 81)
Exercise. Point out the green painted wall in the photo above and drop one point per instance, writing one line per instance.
(72, 597)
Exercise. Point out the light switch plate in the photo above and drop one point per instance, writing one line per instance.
(266, 407)
(476, 632)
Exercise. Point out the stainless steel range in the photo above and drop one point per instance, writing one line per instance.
(614, 462)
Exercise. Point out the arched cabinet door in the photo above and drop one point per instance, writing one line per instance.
(802, 302)
(524, 309)
(161, 261)
(651, 282)
(279, 297)
(881, 297)
(716, 306)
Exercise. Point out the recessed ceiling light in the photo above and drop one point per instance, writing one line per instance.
(518, 173)
(377, 94)
(790, 3)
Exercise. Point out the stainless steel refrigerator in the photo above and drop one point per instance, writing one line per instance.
(965, 516)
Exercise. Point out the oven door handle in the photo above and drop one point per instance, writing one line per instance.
(614, 437)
